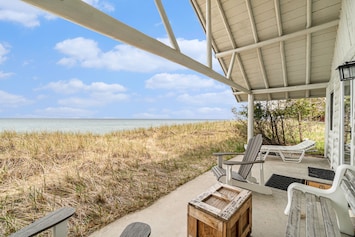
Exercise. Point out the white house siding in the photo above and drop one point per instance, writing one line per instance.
(344, 51)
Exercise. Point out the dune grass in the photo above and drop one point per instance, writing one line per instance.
(103, 176)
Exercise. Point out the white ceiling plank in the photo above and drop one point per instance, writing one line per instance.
(252, 21)
(255, 35)
(283, 63)
(282, 46)
(225, 23)
(278, 16)
(280, 38)
(242, 70)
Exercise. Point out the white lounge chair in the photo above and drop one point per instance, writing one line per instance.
(293, 153)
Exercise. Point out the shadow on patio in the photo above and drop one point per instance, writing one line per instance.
(168, 216)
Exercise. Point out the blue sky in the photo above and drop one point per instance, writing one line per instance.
(52, 68)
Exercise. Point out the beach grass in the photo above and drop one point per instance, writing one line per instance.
(104, 177)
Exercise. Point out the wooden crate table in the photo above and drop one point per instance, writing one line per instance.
(221, 211)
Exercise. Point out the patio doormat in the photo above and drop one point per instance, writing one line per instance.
(321, 173)
(282, 182)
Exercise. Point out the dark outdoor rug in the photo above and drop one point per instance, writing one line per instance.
(282, 182)
(321, 173)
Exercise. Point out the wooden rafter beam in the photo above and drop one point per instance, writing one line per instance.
(287, 89)
(167, 25)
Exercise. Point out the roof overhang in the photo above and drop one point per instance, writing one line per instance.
(274, 49)
(277, 49)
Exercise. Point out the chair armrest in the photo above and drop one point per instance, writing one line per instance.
(334, 193)
(226, 153)
(46, 222)
(230, 162)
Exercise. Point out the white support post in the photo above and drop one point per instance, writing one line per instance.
(209, 33)
(250, 123)
(250, 116)
(352, 119)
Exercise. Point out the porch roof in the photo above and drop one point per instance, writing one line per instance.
(274, 49)
(277, 49)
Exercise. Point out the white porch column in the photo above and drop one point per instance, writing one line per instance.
(352, 119)
(250, 116)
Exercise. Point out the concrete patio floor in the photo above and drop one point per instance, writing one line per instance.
(168, 215)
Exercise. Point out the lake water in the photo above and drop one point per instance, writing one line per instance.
(98, 126)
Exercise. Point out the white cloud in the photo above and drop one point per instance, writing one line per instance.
(218, 98)
(179, 82)
(22, 13)
(65, 112)
(29, 16)
(3, 52)
(86, 53)
(76, 86)
(65, 87)
(11, 100)
(87, 95)
(94, 100)
(79, 102)
(210, 110)
(5, 74)
(79, 49)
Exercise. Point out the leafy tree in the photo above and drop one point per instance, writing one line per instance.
(275, 119)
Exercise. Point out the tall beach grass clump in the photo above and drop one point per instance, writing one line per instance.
(104, 177)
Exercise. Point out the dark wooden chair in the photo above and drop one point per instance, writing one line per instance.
(56, 220)
(136, 229)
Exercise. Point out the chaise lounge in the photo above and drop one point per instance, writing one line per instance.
(293, 153)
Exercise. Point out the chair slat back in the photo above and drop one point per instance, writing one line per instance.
(251, 153)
